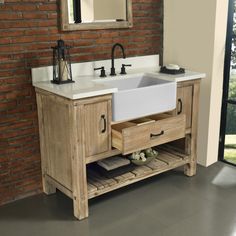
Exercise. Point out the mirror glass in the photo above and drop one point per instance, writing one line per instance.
(96, 11)
(95, 14)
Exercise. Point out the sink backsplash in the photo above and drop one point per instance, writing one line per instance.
(87, 68)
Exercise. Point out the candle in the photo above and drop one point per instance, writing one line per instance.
(63, 70)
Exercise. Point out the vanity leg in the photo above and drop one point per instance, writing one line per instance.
(80, 208)
(79, 175)
(48, 188)
(80, 193)
(190, 169)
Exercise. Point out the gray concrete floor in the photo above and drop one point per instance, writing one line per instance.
(170, 204)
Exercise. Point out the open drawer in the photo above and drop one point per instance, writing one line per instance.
(147, 132)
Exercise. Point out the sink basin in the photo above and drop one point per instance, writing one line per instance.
(141, 95)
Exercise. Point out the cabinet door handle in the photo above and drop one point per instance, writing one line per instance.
(157, 135)
(180, 106)
(103, 117)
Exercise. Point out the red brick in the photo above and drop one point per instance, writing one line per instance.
(28, 30)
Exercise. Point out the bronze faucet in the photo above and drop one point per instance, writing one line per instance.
(113, 70)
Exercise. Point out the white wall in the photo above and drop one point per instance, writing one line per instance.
(194, 37)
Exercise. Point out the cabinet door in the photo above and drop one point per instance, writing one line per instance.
(184, 103)
(97, 127)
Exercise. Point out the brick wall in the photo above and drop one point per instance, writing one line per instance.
(28, 28)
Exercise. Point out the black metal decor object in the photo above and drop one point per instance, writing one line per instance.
(103, 117)
(62, 73)
(180, 102)
(77, 11)
(157, 135)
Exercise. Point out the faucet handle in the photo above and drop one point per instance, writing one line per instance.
(123, 71)
(103, 72)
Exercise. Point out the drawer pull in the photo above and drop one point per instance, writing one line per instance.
(180, 106)
(104, 124)
(157, 135)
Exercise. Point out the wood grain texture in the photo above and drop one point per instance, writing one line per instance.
(100, 185)
(79, 177)
(70, 130)
(82, 142)
(97, 157)
(57, 140)
(191, 168)
(189, 92)
(91, 100)
(97, 128)
(185, 94)
(48, 188)
(137, 137)
(59, 186)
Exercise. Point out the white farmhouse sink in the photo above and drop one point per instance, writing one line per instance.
(141, 95)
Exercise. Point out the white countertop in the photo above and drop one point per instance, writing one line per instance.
(87, 86)
(86, 79)
(82, 88)
(188, 75)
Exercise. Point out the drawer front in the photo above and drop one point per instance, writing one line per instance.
(152, 134)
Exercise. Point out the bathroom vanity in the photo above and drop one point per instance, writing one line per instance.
(77, 128)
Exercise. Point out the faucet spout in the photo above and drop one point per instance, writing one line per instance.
(113, 72)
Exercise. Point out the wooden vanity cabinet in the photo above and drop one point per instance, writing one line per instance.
(71, 131)
(75, 133)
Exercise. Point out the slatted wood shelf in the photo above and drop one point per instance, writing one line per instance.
(166, 160)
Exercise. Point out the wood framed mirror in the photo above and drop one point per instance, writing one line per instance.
(95, 14)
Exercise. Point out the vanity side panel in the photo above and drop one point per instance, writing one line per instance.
(48, 188)
(57, 139)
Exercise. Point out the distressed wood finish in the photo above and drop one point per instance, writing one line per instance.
(57, 139)
(103, 155)
(165, 161)
(66, 26)
(48, 188)
(129, 137)
(97, 128)
(59, 186)
(184, 102)
(189, 93)
(98, 185)
(71, 138)
(79, 177)
(64, 130)
(190, 169)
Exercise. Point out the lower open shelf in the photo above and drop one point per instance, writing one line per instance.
(166, 160)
